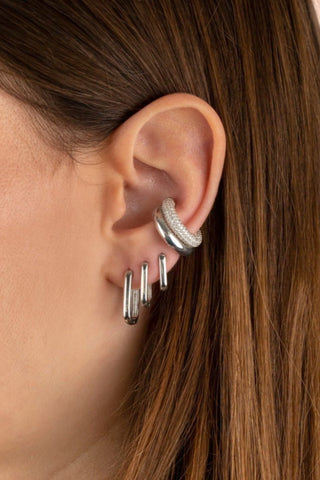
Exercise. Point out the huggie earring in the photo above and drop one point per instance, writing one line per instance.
(146, 288)
(172, 230)
(163, 271)
(131, 299)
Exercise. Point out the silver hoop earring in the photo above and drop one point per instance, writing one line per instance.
(146, 288)
(131, 299)
(163, 271)
(173, 231)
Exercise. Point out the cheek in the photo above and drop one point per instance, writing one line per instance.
(33, 225)
(45, 271)
(53, 309)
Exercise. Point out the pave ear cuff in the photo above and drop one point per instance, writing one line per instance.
(172, 230)
(177, 236)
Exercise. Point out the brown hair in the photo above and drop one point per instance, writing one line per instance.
(229, 383)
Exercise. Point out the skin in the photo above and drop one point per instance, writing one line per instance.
(68, 232)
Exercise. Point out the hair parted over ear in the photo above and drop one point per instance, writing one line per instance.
(173, 147)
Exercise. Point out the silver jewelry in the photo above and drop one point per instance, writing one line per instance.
(146, 288)
(177, 236)
(172, 230)
(174, 222)
(131, 299)
(163, 271)
(169, 237)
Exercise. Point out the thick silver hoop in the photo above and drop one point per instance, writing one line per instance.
(167, 234)
(174, 222)
(131, 299)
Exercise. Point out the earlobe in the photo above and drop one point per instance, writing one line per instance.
(172, 148)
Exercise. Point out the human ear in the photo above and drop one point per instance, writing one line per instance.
(173, 147)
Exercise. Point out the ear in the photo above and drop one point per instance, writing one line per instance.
(173, 147)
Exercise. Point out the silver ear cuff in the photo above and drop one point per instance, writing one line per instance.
(178, 237)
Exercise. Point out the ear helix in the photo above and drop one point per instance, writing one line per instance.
(178, 237)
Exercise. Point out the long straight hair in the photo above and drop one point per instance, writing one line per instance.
(228, 386)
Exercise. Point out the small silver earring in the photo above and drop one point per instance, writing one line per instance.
(146, 288)
(131, 299)
(163, 271)
(173, 231)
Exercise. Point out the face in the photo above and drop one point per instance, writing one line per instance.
(65, 352)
